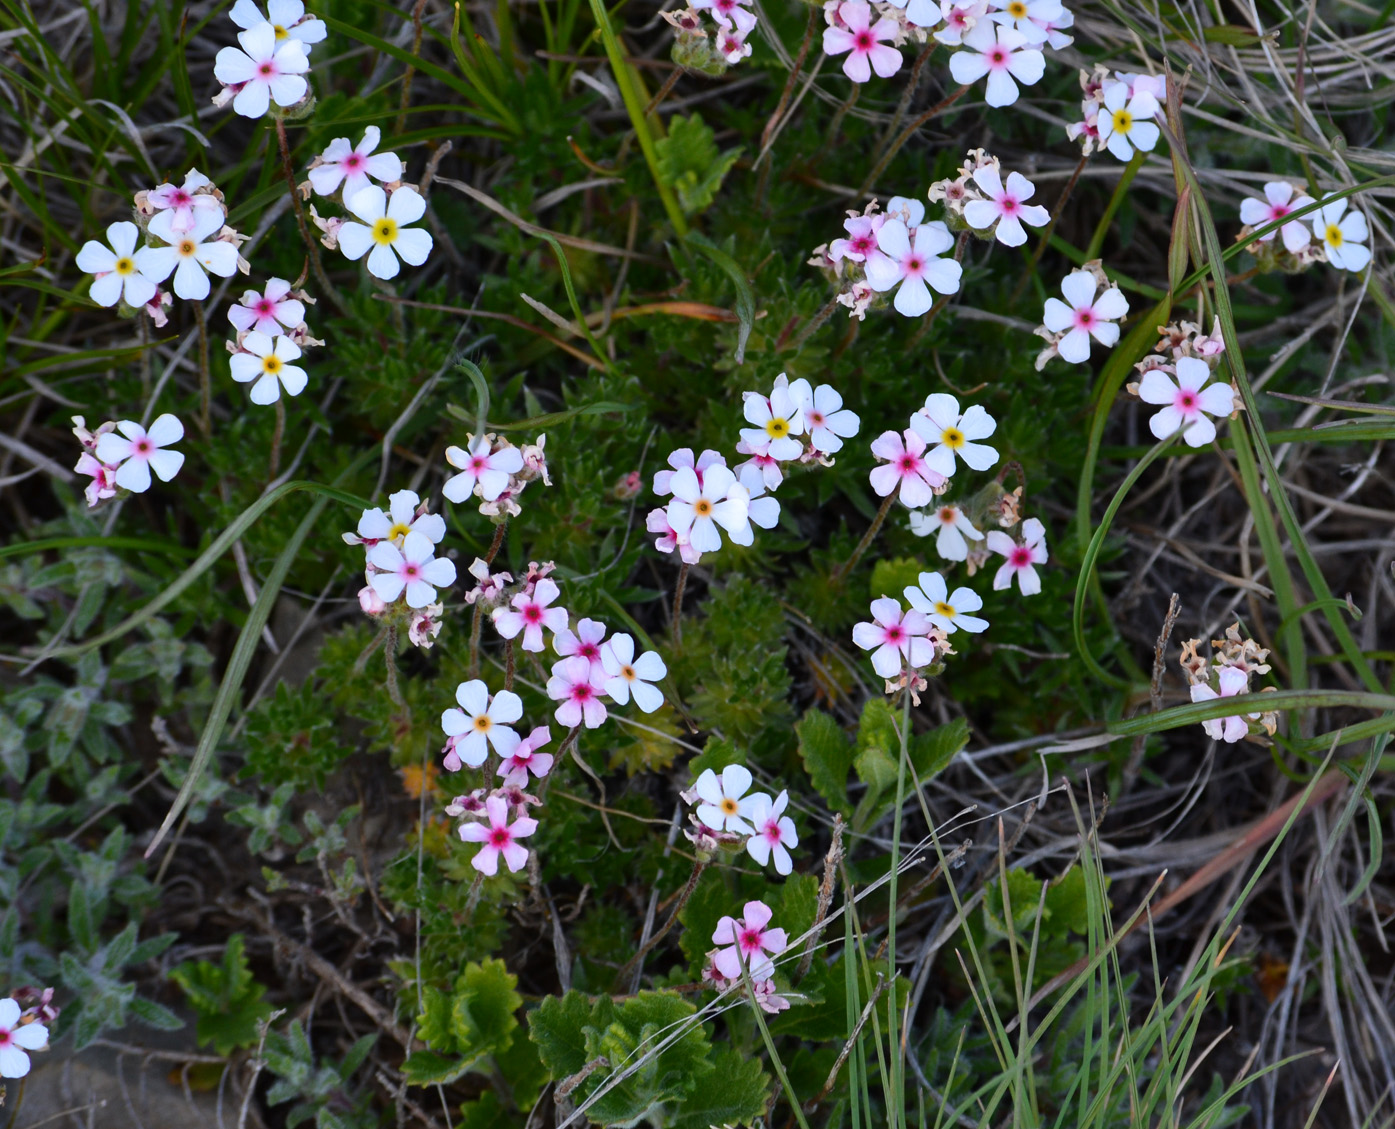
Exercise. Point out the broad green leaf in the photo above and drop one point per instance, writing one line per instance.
(740, 1099)
(690, 164)
(932, 752)
(557, 1028)
(827, 755)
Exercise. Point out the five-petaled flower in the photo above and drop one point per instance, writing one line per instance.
(185, 200)
(864, 41)
(1005, 206)
(584, 641)
(530, 613)
(913, 262)
(896, 638)
(777, 420)
(951, 526)
(579, 687)
(526, 759)
(265, 70)
(384, 229)
(1033, 18)
(120, 269)
(414, 568)
(350, 166)
(190, 254)
(724, 804)
(940, 422)
(140, 451)
(1233, 681)
(825, 418)
(699, 507)
(480, 722)
(946, 610)
(1186, 401)
(750, 943)
(287, 18)
(1124, 123)
(481, 469)
(499, 838)
(402, 518)
(629, 677)
(267, 362)
(1086, 316)
(774, 832)
(16, 1038)
(1003, 55)
(272, 312)
(1280, 199)
(904, 469)
(1344, 236)
(1021, 556)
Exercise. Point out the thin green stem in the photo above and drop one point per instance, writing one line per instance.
(312, 246)
(775, 1062)
(895, 1099)
(1120, 191)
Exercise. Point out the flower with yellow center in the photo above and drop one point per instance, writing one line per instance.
(266, 362)
(287, 18)
(724, 804)
(1124, 123)
(384, 235)
(946, 610)
(481, 722)
(1030, 18)
(117, 268)
(941, 423)
(405, 515)
(776, 420)
(1343, 235)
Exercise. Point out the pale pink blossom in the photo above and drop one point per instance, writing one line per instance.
(499, 838)
(904, 469)
(1186, 402)
(272, 312)
(526, 759)
(263, 71)
(911, 260)
(138, 452)
(482, 470)
(1280, 200)
(751, 943)
(585, 641)
(185, 201)
(728, 14)
(351, 166)
(896, 638)
(579, 688)
(959, 16)
(951, 528)
(861, 240)
(825, 418)
(414, 568)
(530, 613)
(669, 539)
(1021, 556)
(1085, 317)
(774, 832)
(864, 42)
(1005, 205)
(1003, 55)
(683, 457)
(1233, 682)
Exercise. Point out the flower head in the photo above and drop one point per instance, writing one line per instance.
(896, 638)
(267, 362)
(526, 759)
(1086, 316)
(287, 18)
(1185, 400)
(950, 526)
(414, 568)
(16, 1039)
(1124, 122)
(117, 268)
(425, 625)
(1003, 55)
(864, 42)
(777, 420)
(579, 687)
(1232, 681)
(904, 469)
(586, 641)
(825, 418)
(272, 312)
(1344, 237)
(629, 677)
(482, 470)
(384, 229)
(499, 838)
(911, 261)
(195, 195)
(946, 610)
(191, 254)
(1005, 204)
(960, 16)
(1280, 200)
(700, 506)
(530, 613)
(750, 943)
(405, 513)
(1021, 557)
(265, 70)
(862, 238)
(774, 832)
(350, 166)
(1032, 18)
(480, 722)
(139, 452)
(940, 422)
(724, 804)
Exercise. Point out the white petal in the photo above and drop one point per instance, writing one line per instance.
(1079, 289)
(414, 245)
(369, 205)
(106, 291)
(406, 205)
(382, 263)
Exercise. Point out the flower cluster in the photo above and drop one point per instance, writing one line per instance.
(1177, 378)
(728, 814)
(706, 496)
(796, 423)
(728, 44)
(1329, 234)
(747, 944)
(124, 462)
(980, 200)
(24, 1029)
(401, 569)
(270, 334)
(1227, 675)
(1092, 309)
(495, 471)
(271, 60)
(1118, 112)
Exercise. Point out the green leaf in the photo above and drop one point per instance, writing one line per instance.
(689, 163)
(633, 1038)
(932, 752)
(1067, 906)
(827, 755)
(1024, 891)
(558, 1029)
(797, 904)
(716, 755)
(427, 1068)
(482, 1012)
(225, 997)
(155, 1015)
(709, 903)
(745, 297)
(890, 577)
(739, 1100)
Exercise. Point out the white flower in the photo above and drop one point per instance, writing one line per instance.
(1085, 317)
(959, 16)
(401, 519)
(698, 508)
(287, 18)
(1021, 556)
(945, 610)
(1124, 124)
(266, 361)
(1344, 238)
(139, 452)
(1029, 17)
(898, 261)
(15, 1039)
(950, 527)
(414, 568)
(1279, 200)
(481, 722)
(774, 831)
(1233, 682)
(117, 268)
(723, 806)
(828, 422)
(777, 420)
(941, 423)
(386, 231)
(1003, 55)
(343, 164)
(1185, 400)
(1005, 205)
(185, 200)
(189, 254)
(480, 468)
(629, 677)
(264, 69)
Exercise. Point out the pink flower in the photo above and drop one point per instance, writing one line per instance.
(1228, 729)
(904, 469)
(271, 312)
(763, 466)
(343, 164)
(1085, 317)
(861, 240)
(482, 470)
(828, 422)
(767, 999)
(413, 568)
(16, 1038)
(471, 804)
(578, 686)
(531, 614)
(489, 584)
(725, 13)
(864, 41)
(774, 832)
(103, 484)
(1279, 201)
(499, 838)
(1005, 206)
(1021, 556)
(263, 71)
(1185, 400)
(750, 942)
(683, 457)
(140, 452)
(370, 601)
(424, 626)
(669, 538)
(959, 17)
(525, 759)
(185, 201)
(1002, 55)
(732, 46)
(899, 638)
(586, 641)
(911, 260)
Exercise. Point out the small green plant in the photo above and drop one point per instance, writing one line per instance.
(226, 997)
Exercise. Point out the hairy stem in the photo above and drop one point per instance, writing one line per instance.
(316, 266)
(277, 435)
(475, 621)
(848, 565)
(912, 84)
(678, 606)
(815, 323)
(508, 664)
(390, 661)
(906, 134)
(497, 543)
(411, 70)
(205, 375)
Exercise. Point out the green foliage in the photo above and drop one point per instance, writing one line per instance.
(226, 998)
(292, 739)
(322, 1092)
(827, 755)
(463, 1027)
(690, 164)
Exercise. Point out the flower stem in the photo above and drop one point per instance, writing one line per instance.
(906, 134)
(623, 977)
(475, 621)
(664, 91)
(508, 664)
(678, 606)
(411, 70)
(848, 565)
(205, 376)
(768, 133)
(912, 84)
(390, 661)
(367, 652)
(836, 125)
(317, 267)
(1120, 191)
(276, 436)
(1050, 227)
(815, 324)
(497, 543)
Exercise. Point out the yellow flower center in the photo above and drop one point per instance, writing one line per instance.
(271, 364)
(729, 806)
(777, 428)
(1017, 9)
(703, 507)
(385, 231)
(941, 608)
(124, 266)
(952, 438)
(281, 32)
(398, 530)
(1123, 121)
(482, 723)
(1333, 235)
(186, 247)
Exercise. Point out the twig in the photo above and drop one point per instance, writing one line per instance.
(813, 1103)
(906, 134)
(848, 565)
(622, 978)
(678, 606)
(830, 877)
(329, 289)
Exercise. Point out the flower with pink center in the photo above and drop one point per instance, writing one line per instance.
(471, 804)
(263, 71)
(103, 484)
(904, 469)
(1056, 38)
(1233, 681)
(825, 418)
(1085, 317)
(586, 641)
(185, 200)
(17, 1038)
(1087, 132)
(414, 568)
(910, 259)
(482, 470)
(864, 42)
(579, 688)
(1186, 402)
(530, 613)
(750, 942)
(960, 16)
(728, 14)
(683, 457)
(1022, 557)
(139, 452)
(896, 638)
(479, 723)
(732, 46)
(273, 311)
(1003, 55)
(350, 166)
(526, 759)
(499, 838)
(950, 526)
(774, 832)
(861, 240)
(1005, 206)
(1029, 17)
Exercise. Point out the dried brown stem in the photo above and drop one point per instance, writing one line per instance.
(848, 565)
